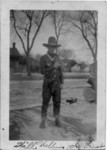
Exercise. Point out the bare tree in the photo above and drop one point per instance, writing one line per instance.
(86, 23)
(27, 24)
(66, 54)
(59, 23)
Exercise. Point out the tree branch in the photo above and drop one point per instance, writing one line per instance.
(42, 18)
(28, 36)
(60, 27)
(55, 25)
(77, 26)
(21, 28)
(86, 39)
(18, 32)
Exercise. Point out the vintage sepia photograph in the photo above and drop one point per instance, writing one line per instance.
(53, 78)
(53, 75)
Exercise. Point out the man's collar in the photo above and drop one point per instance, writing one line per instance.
(51, 56)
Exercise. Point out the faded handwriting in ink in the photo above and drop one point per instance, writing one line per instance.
(89, 144)
(76, 145)
(35, 145)
(21, 144)
(27, 145)
(96, 146)
(51, 145)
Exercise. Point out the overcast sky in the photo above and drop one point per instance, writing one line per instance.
(72, 40)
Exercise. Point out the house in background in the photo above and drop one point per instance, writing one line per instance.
(14, 59)
(34, 65)
(18, 63)
(76, 68)
(68, 64)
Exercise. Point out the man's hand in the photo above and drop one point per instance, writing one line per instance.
(56, 64)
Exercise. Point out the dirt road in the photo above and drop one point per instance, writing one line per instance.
(78, 119)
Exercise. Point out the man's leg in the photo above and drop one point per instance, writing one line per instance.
(46, 96)
(56, 105)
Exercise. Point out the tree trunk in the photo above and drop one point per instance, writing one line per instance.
(28, 66)
(57, 38)
(95, 58)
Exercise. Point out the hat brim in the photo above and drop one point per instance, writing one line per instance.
(51, 45)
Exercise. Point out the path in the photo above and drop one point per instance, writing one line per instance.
(78, 119)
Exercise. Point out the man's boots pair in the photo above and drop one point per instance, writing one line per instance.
(42, 124)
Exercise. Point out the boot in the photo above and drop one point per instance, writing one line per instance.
(42, 124)
(57, 122)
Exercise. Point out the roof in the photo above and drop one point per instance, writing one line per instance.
(14, 52)
(70, 62)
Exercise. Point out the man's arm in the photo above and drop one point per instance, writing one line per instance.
(60, 69)
(61, 75)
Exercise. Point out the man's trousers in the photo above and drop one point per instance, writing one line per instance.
(51, 89)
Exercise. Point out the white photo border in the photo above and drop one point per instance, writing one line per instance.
(5, 44)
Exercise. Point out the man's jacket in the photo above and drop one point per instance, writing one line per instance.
(47, 68)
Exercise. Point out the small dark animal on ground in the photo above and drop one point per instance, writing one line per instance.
(71, 100)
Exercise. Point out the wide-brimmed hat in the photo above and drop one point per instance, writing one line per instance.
(51, 42)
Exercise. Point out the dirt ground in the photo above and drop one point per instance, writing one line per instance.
(78, 119)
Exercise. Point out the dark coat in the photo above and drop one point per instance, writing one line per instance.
(48, 70)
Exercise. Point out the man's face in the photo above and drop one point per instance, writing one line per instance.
(51, 50)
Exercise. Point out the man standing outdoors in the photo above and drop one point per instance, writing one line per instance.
(50, 65)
